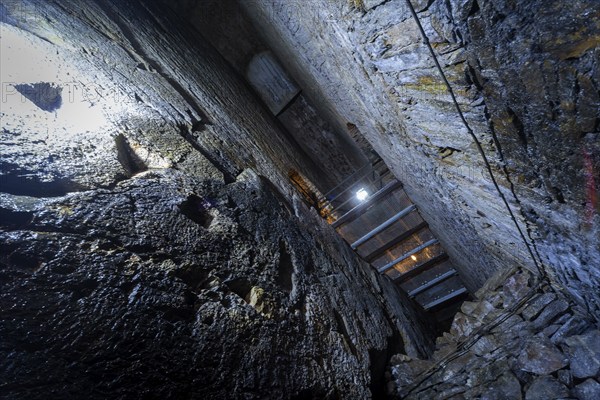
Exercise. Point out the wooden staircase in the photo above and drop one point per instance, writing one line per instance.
(386, 230)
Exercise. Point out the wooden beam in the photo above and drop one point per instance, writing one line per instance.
(429, 284)
(402, 237)
(383, 226)
(432, 262)
(403, 257)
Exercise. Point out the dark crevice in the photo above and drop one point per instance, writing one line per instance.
(495, 140)
(184, 131)
(341, 327)
(130, 162)
(445, 152)
(379, 360)
(474, 8)
(14, 220)
(471, 76)
(25, 261)
(83, 288)
(528, 224)
(176, 314)
(518, 125)
(196, 209)
(194, 277)
(498, 18)
(597, 125)
(241, 287)
(286, 268)
(559, 195)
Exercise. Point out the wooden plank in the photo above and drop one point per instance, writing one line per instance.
(421, 268)
(402, 237)
(445, 298)
(427, 285)
(383, 226)
(403, 257)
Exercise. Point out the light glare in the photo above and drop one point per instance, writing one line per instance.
(362, 194)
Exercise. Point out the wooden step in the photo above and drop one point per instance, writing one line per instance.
(445, 299)
(403, 257)
(421, 268)
(383, 226)
(399, 239)
(427, 285)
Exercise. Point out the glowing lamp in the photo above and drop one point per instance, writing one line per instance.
(362, 194)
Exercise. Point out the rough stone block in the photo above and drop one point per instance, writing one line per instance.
(553, 310)
(485, 345)
(516, 287)
(463, 325)
(537, 305)
(588, 390)
(508, 325)
(550, 330)
(405, 372)
(506, 387)
(541, 357)
(565, 377)
(546, 387)
(572, 326)
(584, 351)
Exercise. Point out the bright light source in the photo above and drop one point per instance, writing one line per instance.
(362, 194)
(414, 258)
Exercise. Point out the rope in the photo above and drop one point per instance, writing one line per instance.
(477, 142)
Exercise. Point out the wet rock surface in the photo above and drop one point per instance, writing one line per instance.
(499, 353)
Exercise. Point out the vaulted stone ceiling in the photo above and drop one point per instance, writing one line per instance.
(152, 245)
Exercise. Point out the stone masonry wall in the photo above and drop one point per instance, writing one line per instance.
(521, 339)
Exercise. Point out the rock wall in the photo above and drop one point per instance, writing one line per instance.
(521, 340)
(223, 24)
(526, 77)
(151, 245)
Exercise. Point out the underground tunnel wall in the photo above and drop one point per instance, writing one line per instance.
(171, 259)
(526, 75)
